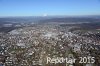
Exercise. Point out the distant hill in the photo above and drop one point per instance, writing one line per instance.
(71, 20)
(21, 19)
(50, 19)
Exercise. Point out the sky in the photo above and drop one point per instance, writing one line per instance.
(49, 7)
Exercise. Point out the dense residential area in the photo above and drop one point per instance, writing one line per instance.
(30, 44)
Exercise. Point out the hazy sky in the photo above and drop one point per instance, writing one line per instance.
(49, 7)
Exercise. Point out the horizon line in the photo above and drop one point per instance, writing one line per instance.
(51, 16)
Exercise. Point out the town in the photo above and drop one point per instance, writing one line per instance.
(31, 45)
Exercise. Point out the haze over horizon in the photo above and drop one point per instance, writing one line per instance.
(49, 7)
